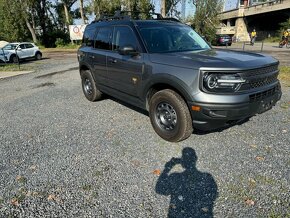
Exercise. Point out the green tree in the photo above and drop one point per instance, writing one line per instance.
(67, 5)
(110, 6)
(12, 22)
(284, 25)
(171, 8)
(206, 17)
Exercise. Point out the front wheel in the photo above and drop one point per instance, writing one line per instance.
(90, 89)
(169, 116)
(14, 59)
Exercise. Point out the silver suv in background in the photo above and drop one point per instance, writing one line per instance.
(13, 52)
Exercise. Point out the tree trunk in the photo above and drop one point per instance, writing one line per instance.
(32, 31)
(82, 11)
(163, 8)
(66, 16)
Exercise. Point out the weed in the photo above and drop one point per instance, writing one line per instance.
(87, 187)
(13, 67)
(284, 75)
(98, 173)
(21, 179)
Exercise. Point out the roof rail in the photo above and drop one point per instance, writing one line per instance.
(135, 15)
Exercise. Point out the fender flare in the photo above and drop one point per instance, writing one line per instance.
(171, 81)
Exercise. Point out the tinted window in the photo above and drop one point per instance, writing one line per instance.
(88, 38)
(29, 46)
(168, 38)
(22, 46)
(103, 39)
(124, 36)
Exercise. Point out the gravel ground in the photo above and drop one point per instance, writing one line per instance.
(63, 156)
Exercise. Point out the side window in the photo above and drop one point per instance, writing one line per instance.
(124, 36)
(22, 46)
(29, 45)
(103, 39)
(88, 38)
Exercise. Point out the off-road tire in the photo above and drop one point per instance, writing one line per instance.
(170, 102)
(89, 87)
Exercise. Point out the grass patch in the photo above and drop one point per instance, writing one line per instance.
(284, 75)
(60, 49)
(69, 46)
(273, 39)
(14, 67)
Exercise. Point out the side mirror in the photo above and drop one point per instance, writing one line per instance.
(127, 50)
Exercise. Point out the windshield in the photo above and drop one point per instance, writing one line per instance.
(10, 46)
(170, 38)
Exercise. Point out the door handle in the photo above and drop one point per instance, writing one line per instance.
(113, 61)
(92, 56)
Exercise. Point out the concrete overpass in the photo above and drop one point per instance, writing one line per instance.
(264, 17)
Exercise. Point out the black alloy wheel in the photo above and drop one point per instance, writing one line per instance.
(169, 116)
(90, 90)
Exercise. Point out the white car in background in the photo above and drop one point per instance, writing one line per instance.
(13, 52)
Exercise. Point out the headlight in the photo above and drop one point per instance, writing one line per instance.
(220, 82)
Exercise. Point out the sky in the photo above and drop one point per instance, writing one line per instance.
(231, 4)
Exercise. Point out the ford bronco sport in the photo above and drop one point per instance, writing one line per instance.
(166, 68)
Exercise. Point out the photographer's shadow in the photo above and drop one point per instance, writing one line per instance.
(192, 192)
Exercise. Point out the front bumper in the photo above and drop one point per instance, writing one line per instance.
(214, 116)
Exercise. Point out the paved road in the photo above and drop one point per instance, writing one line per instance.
(282, 54)
(62, 156)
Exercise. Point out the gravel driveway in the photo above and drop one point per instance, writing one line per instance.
(63, 156)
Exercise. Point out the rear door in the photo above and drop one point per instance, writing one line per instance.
(124, 71)
(99, 55)
(29, 50)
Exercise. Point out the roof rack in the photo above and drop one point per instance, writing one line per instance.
(136, 15)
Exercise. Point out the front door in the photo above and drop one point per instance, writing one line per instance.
(124, 71)
(21, 51)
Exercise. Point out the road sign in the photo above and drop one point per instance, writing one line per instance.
(76, 31)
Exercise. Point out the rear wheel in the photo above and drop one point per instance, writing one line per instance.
(169, 116)
(89, 87)
(38, 56)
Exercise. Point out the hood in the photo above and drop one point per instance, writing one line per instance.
(3, 43)
(213, 58)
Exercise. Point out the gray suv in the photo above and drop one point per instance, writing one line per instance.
(166, 68)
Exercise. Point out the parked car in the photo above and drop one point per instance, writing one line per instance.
(223, 40)
(166, 68)
(13, 52)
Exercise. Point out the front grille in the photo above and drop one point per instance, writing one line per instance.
(256, 78)
(263, 81)
(260, 71)
(262, 95)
